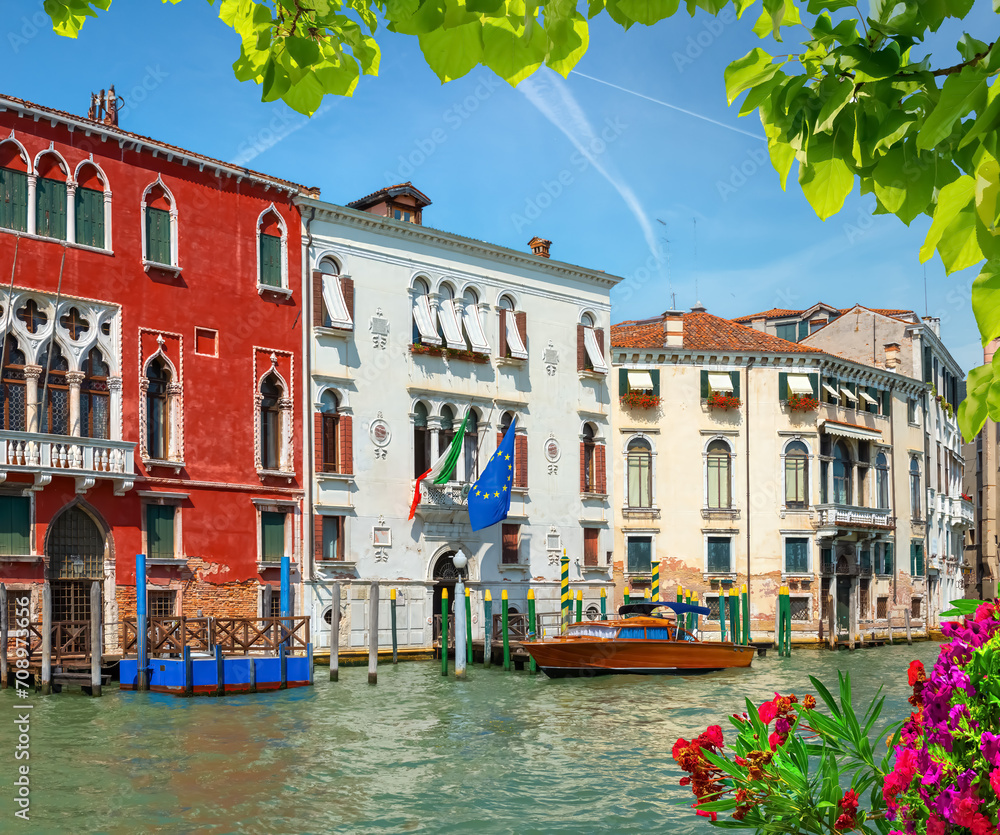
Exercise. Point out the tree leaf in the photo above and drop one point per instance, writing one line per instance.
(510, 56)
(986, 305)
(837, 93)
(826, 179)
(752, 69)
(959, 246)
(951, 200)
(452, 53)
(962, 93)
(648, 12)
(890, 183)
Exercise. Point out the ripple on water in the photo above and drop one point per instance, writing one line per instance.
(497, 753)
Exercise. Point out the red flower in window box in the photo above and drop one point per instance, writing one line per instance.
(640, 400)
(802, 403)
(430, 350)
(718, 400)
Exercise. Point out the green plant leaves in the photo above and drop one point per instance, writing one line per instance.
(961, 94)
(826, 179)
(951, 200)
(753, 69)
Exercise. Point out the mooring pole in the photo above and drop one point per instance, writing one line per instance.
(627, 597)
(565, 595)
(96, 639)
(579, 605)
(656, 581)
(142, 645)
(283, 667)
(694, 601)
(734, 616)
(220, 671)
(488, 628)
(335, 633)
(4, 629)
(189, 672)
(373, 634)
(46, 638)
(722, 615)
(745, 597)
(461, 658)
(680, 593)
(604, 603)
(286, 599)
(444, 632)
(392, 620)
(777, 624)
(506, 636)
(468, 626)
(906, 620)
(532, 629)
(831, 619)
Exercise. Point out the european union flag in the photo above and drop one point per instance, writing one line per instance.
(489, 498)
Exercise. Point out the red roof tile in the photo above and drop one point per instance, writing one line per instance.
(390, 191)
(703, 332)
(773, 313)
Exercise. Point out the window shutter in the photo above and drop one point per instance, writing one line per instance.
(50, 212)
(782, 385)
(602, 469)
(886, 403)
(15, 534)
(13, 200)
(704, 385)
(521, 323)
(346, 445)
(590, 541)
(521, 461)
(888, 558)
(158, 236)
(270, 260)
(347, 288)
(160, 531)
(328, 444)
(317, 537)
(803, 330)
(340, 538)
(581, 350)
(272, 535)
(90, 217)
(583, 467)
(622, 382)
(318, 308)
(502, 341)
(814, 382)
(655, 375)
(736, 382)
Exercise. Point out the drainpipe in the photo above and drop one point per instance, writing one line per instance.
(746, 395)
(307, 423)
(892, 490)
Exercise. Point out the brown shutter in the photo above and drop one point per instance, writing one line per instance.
(347, 288)
(521, 323)
(583, 467)
(581, 349)
(521, 461)
(510, 536)
(599, 335)
(590, 540)
(499, 439)
(317, 299)
(340, 539)
(318, 536)
(602, 471)
(329, 444)
(346, 445)
(318, 442)
(502, 349)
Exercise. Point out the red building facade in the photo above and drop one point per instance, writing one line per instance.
(151, 341)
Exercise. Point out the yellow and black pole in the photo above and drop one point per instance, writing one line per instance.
(656, 582)
(564, 588)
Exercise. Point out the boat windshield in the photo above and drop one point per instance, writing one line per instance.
(590, 630)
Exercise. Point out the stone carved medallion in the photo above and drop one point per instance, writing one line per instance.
(379, 327)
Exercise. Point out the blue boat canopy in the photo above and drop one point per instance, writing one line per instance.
(649, 607)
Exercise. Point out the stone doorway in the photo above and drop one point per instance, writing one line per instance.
(445, 577)
(74, 558)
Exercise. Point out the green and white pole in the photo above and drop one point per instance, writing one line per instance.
(564, 588)
(532, 628)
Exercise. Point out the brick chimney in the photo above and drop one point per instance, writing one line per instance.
(540, 246)
(673, 329)
(892, 359)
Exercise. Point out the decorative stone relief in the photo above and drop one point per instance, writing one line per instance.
(551, 359)
(379, 327)
(380, 434)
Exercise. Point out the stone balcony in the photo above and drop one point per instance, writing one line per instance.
(846, 516)
(85, 459)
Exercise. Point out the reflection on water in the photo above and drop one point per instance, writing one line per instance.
(501, 752)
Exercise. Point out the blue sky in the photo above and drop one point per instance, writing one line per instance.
(608, 175)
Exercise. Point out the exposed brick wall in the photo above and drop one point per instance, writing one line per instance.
(346, 444)
(225, 600)
(521, 461)
(602, 469)
(581, 349)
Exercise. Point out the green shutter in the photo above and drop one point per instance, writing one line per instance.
(272, 527)
(622, 382)
(270, 260)
(158, 236)
(786, 332)
(90, 217)
(814, 383)
(655, 374)
(886, 403)
(803, 330)
(888, 559)
(704, 385)
(782, 385)
(735, 375)
(640, 554)
(160, 531)
(15, 535)
(50, 208)
(13, 200)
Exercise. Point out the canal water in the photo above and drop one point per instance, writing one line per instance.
(498, 753)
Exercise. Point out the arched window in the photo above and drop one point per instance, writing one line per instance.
(271, 392)
(915, 503)
(719, 467)
(475, 336)
(470, 447)
(12, 401)
(13, 187)
(587, 320)
(424, 326)
(271, 250)
(329, 431)
(640, 473)
(447, 433)
(89, 199)
(589, 470)
(882, 481)
(842, 474)
(513, 330)
(55, 391)
(159, 226)
(50, 197)
(157, 413)
(421, 441)
(796, 475)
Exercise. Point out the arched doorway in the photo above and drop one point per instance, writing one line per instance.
(846, 569)
(74, 557)
(445, 577)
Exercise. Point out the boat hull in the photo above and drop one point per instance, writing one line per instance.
(562, 657)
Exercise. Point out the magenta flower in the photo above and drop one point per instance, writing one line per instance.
(990, 746)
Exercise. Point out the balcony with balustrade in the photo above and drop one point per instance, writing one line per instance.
(88, 460)
(850, 517)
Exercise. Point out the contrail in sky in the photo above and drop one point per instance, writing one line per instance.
(671, 106)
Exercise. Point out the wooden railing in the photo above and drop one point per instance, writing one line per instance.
(236, 636)
(517, 627)
(70, 642)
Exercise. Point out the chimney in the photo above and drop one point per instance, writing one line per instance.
(539, 247)
(892, 359)
(104, 107)
(935, 324)
(673, 329)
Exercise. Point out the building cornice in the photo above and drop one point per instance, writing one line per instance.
(402, 230)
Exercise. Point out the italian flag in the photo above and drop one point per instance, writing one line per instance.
(443, 470)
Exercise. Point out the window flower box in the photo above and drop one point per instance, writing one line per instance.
(451, 353)
(640, 400)
(718, 400)
(802, 403)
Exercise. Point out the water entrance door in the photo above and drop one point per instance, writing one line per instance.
(844, 603)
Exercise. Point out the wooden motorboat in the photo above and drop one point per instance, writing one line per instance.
(641, 641)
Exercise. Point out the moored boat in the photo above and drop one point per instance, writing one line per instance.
(640, 642)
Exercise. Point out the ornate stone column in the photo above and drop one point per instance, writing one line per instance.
(175, 436)
(286, 459)
(74, 379)
(143, 417)
(115, 407)
(31, 415)
(32, 204)
(71, 212)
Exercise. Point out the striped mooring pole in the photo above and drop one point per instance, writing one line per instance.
(444, 632)
(656, 582)
(487, 628)
(532, 628)
(604, 603)
(745, 597)
(694, 600)
(722, 615)
(392, 618)
(734, 616)
(564, 588)
(680, 593)
(504, 615)
(627, 597)
(468, 625)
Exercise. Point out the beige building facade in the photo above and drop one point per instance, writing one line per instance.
(740, 457)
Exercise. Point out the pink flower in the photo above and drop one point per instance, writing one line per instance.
(985, 611)
(935, 826)
(995, 782)
(990, 746)
(982, 826)
(714, 735)
(767, 712)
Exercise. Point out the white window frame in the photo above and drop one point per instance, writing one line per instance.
(729, 534)
(652, 472)
(283, 288)
(593, 349)
(174, 500)
(810, 456)
(810, 553)
(641, 534)
(421, 306)
(291, 511)
(70, 197)
(733, 506)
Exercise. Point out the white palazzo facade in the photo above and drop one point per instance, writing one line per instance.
(410, 329)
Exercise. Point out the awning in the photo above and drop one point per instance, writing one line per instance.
(849, 394)
(831, 390)
(718, 381)
(640, 381)
(333, 298)
(594, 351)
(799, 384)
(850, 430)
(514, 343)
(867, 397)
